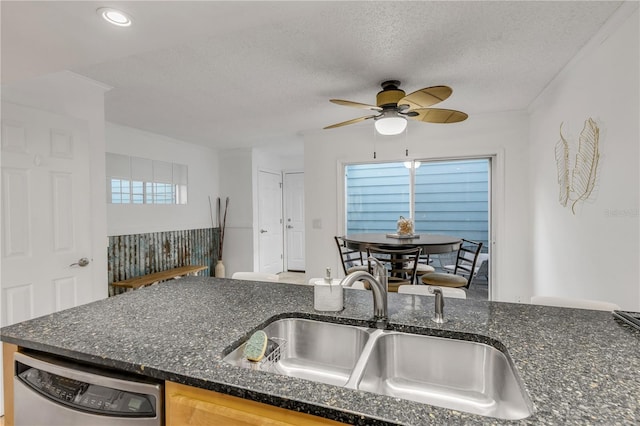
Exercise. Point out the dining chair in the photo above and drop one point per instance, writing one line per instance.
(482, 266)
(423, 267)
(401, 264)
(481, 269)
(427, 290)
(463, 271)
(352, 260)
(255, 276)
(568, 302)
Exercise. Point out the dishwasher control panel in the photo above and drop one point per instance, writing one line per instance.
(87, 396)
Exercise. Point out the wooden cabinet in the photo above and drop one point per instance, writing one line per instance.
(186, 405)
(7, 379)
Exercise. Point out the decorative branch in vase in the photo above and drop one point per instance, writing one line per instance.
(220, 272)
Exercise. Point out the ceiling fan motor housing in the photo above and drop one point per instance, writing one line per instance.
(390, 94)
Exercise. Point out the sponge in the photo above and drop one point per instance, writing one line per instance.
(255, 347)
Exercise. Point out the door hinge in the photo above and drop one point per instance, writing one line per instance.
(280, 183)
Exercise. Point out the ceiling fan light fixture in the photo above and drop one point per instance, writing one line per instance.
(114, 16)
(412, 164)
(390, 124)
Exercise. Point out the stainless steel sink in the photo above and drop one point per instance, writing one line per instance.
(455, 374)
(312, 350)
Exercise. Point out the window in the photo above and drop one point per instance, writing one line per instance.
(134, 180)
(443, 197)
(137, 192)
(120, 191)
(163, 193)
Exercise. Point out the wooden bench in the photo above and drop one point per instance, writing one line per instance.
(149, 279)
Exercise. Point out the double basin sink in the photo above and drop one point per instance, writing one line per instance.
(456, 374)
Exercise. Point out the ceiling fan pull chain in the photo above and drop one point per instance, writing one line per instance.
(375, 137)
(406, 142)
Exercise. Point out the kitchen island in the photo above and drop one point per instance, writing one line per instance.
(577, 366)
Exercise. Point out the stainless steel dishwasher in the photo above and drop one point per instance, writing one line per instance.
(52, 391)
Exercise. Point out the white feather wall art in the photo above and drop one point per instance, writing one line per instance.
(577, 184)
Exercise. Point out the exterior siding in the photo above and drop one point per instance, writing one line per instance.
(451, 197)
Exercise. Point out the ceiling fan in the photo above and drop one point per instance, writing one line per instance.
(394, 107)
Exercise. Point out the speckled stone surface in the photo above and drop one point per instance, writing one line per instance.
(578, 366)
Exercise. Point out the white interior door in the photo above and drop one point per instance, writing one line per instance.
(294, 220)
(46, 214)
(270, 239)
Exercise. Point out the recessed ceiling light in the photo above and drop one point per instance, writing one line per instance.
(115, 16)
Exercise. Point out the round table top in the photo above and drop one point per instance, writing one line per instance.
(430, 243)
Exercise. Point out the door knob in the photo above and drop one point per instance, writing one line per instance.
(81, 262)
(290, 226)
(262, 231)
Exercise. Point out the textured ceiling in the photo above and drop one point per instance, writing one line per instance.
(239, 74)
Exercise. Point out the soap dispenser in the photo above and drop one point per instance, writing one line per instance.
(328, 294)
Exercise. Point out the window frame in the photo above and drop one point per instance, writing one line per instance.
(496, 202)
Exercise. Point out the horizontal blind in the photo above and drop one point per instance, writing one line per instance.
(118, 166)
(141, 169)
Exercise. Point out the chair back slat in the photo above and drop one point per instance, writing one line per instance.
(402, 264)
(467, 259)
(349, 257)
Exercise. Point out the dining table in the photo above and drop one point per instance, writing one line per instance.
(430, 243)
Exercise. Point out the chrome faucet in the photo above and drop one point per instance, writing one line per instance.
(378, 283)
(438, 316)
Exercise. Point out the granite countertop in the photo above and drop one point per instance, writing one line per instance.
(578, 366)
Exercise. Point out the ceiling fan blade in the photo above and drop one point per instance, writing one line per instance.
(426, 97)
(355, 120)
(437, 115)
(355, 104)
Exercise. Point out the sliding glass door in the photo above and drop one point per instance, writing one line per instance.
(443, 197)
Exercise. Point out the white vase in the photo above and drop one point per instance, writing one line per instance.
(219, 269)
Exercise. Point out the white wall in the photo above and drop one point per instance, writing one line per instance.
(503, 135)
(236, 182)
(282, 157)
(203, 178)
(239, 180)
(594, 254)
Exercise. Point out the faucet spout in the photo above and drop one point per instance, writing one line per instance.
(438, 316)
(379, 291)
